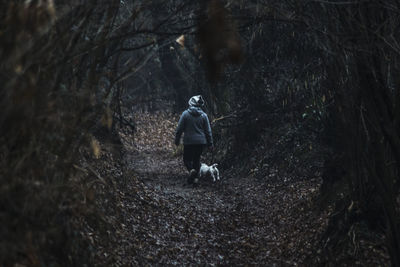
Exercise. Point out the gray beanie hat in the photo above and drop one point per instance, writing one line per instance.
(196, 101)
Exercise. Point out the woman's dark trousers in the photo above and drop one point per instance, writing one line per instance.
(191, 156)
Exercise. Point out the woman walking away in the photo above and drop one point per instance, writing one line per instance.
(195, 125)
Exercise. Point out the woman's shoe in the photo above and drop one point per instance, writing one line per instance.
(192, 176)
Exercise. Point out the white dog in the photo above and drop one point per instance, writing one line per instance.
(212, 171)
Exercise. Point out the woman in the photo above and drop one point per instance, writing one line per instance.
(195, 125)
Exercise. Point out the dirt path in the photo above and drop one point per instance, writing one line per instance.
(235, 221)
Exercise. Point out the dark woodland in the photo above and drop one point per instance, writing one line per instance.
(303, 100)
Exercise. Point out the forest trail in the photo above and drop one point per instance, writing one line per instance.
(238, 220)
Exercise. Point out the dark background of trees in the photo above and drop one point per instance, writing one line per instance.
(303, 88)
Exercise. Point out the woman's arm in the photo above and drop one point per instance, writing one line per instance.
(207, 131)
(180, 129)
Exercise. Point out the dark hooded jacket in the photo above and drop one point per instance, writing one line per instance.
(195, 125)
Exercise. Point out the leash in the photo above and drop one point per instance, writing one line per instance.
(212, 155)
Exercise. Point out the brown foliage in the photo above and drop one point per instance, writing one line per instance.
(219, 39)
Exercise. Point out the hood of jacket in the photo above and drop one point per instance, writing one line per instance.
(196, 101)
(195, 111)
